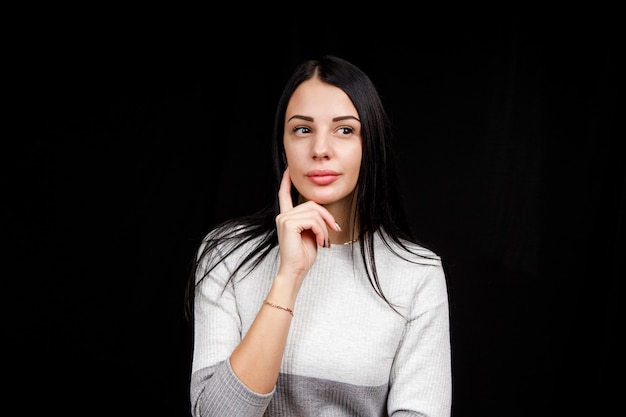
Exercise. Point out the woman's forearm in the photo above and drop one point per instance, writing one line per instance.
(256, 361)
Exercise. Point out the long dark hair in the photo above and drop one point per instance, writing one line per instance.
(378, 203)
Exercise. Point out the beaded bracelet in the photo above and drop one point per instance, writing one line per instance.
(288, 310)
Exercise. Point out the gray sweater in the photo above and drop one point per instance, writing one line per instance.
(348, 353)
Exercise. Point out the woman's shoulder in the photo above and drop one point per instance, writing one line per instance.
(230, 244)
(411, 272)
(411, 250)
(424, 253)
(226, 229)
(234, 233)
(230, 237)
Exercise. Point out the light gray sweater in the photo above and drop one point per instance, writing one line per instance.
(348, 353)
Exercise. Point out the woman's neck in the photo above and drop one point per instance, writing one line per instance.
(344, 212)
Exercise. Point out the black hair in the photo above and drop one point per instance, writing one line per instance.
(378, 201)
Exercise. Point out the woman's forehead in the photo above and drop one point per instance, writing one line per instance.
(316, 99)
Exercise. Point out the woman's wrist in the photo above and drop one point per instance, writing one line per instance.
(284, 291)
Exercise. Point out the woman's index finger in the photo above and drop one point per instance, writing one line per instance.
(284, 193)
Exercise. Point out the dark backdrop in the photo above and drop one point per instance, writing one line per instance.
(128, 148)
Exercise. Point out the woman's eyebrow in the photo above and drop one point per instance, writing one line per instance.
(310, 119)
(337, 119)
(297, 116)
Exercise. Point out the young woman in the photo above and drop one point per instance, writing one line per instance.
(323, 304)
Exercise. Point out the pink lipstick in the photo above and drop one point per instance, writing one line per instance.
(322, 176)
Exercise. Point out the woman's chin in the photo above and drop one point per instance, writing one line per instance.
(322, 200)
(324, 196)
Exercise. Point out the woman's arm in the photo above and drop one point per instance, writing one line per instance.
(256, 360)
(421, 376)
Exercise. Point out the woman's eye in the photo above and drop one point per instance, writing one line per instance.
(301, 130)
(345, 130)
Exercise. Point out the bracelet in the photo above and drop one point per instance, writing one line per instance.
(288, 310)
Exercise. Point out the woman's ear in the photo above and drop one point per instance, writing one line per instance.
(284, 158)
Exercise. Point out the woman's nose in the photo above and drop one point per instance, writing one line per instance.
(320, 149)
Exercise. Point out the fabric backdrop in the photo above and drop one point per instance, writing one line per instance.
(128, 148)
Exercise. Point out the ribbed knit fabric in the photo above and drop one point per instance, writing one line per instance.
(347, 354)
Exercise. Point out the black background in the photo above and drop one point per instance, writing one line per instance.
(132, 139)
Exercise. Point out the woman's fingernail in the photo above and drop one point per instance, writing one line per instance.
(338, 227)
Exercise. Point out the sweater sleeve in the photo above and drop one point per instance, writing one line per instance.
(214, 388)
(420, 381)
(216, 391)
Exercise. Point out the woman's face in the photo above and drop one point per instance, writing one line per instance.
(322, 141)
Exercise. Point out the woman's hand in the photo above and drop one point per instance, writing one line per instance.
(300, 230)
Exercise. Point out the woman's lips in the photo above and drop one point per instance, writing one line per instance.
(322, 177)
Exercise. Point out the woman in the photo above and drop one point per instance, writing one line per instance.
(323, 304)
